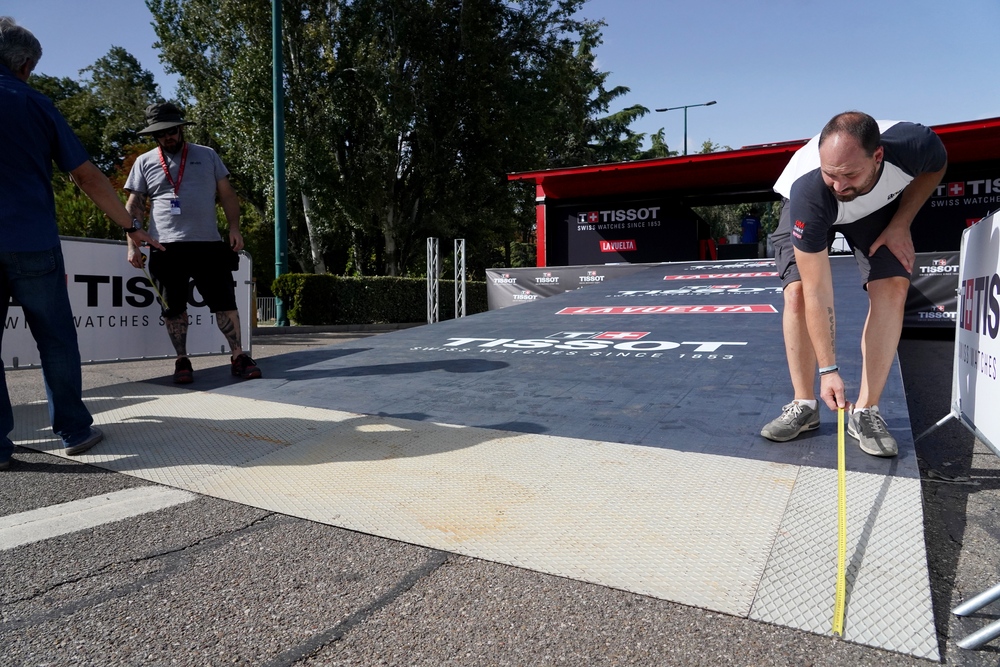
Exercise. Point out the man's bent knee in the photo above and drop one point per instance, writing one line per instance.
(889, 290)
(793, 297)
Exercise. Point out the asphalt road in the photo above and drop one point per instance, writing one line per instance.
(210, 582)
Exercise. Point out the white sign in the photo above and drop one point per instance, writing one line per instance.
(117, 312)
(977, 336)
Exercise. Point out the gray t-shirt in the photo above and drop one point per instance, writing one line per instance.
(196, 196)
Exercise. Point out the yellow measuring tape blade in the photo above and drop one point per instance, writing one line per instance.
(151, 282)
(838, 605)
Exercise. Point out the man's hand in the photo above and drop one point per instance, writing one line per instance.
(235, 240)
(831, 390)
(142, 238)
(899, 241)
(135, 257)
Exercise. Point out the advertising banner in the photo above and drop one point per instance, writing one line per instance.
(977, 348)
(933, 296)
(931, 302)
(117, 312)
(640, 231)
(507, 287)
(964, 196)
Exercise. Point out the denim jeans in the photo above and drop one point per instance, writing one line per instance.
(37, 280)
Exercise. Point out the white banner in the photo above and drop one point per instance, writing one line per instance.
(117, 313)
(977, 348)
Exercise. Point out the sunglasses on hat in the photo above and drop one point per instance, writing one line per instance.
(166, 133)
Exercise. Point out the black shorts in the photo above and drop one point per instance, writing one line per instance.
(859, 235)
(208, 264)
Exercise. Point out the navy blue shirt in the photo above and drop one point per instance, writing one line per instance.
(32, 134)
(910, 150)
(751, 229)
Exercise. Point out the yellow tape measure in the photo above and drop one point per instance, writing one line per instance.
(839, 601)
(153, 283)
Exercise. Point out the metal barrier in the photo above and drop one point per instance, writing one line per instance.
(266, 309)
(433, 274)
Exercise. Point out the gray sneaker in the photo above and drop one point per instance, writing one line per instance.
(795, 418)
(869, 429)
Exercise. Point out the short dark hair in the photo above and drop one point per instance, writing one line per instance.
(18, 46)
(859, 125)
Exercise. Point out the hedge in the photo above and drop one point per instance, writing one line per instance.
(324, 299)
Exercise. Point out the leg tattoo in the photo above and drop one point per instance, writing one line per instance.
(229, 325)
(177, 328)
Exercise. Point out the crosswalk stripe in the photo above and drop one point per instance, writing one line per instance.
(48, 522)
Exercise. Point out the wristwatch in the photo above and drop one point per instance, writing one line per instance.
(136, 226)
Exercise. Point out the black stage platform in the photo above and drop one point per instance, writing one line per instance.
(686, 356)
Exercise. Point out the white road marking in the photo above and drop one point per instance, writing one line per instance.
(48, 522)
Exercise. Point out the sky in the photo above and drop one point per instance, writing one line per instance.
(777, 69)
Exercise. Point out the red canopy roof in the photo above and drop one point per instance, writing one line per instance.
(748, 170)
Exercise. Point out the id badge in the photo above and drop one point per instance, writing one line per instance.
(175, 207)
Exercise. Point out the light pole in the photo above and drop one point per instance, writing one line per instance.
(686, 107)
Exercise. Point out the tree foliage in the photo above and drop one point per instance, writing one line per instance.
(402, 117)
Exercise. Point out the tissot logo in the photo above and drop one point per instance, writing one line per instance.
(621, 335)
(982, 186)
(938, 313)
(939, 267)
(979, 308)
(618, 246)
(619, 215)
(505, 279)
(603, 346)
(591, 343)
(547, 279)
(592, 277)
(525, 295)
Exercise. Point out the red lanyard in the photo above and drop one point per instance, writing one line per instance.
(180, 172)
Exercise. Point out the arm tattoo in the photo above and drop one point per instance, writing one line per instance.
(833, 331)
(138, 208)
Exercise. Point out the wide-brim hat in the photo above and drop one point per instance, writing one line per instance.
(162, 116)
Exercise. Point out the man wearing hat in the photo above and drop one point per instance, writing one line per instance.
(34, 134)
(182, 181)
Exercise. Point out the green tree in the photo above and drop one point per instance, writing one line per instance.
(119, 90)
(402, 116)
(658, 149)
(76, 103)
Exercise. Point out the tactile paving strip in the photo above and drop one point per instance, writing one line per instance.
(689, 527)
(888, 601)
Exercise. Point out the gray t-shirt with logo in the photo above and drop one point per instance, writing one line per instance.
(196, 220)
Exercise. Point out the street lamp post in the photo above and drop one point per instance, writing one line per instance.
(686, 107)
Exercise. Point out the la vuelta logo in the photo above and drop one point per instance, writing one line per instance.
(618, 246)
(980, 306)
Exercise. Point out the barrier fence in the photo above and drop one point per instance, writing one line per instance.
(975, 381)
(267, 310)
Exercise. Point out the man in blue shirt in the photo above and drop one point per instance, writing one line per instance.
(750, 226)
(34, 134)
